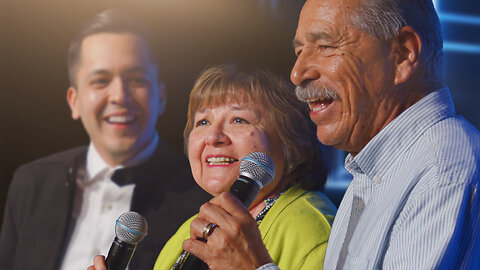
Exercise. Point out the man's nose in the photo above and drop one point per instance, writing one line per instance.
(305, 69)
(119, 91)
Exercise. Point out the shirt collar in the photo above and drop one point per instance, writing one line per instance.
(96, 165)
(376, 157)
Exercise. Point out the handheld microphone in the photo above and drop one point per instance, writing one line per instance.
(257, 170)
(130, 229)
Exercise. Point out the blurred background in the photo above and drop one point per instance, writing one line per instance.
(189, 35)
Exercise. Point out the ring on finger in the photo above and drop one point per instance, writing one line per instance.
(208, 230)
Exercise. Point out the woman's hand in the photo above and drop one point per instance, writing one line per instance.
(236, 242)
(98, 263)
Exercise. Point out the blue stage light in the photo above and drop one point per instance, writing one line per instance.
(461, 47)
(458, 18)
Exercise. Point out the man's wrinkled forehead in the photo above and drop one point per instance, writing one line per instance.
(324, 20)
(329, 9)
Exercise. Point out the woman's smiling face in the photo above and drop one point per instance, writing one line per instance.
(222, 135)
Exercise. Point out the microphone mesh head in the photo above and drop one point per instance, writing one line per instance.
(131, 227)
(259, 167)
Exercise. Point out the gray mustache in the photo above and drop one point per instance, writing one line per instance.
(309, 91)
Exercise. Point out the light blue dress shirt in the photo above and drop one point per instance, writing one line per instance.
(413, 202)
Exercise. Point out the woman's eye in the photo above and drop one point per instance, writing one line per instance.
(238, 120)
(202, 122)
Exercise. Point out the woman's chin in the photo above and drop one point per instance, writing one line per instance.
(216, 189)
(214, 184)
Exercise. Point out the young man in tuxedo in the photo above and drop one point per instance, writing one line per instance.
(61, 209)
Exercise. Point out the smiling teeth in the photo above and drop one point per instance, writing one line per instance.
(121, 119)
(318, 107)
(220, 160)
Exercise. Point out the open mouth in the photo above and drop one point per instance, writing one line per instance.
(319, 104)
(120, 119)
(220, 161)
(318, 98)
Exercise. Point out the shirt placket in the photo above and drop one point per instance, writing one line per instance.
(362, 190)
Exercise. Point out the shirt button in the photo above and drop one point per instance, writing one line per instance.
(376, 180)
(108, 206)
(359, 205)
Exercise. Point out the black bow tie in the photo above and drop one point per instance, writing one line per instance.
(134, 174)
(124, 176)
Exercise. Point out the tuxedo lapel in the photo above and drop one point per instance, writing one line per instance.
(66, 195)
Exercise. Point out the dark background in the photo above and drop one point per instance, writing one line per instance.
(189, 35)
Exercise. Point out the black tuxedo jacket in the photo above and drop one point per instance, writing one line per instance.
(36, 229)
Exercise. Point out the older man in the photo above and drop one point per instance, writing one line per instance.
(371, 72)
(61, 210)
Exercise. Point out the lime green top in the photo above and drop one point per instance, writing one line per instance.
(295, 232)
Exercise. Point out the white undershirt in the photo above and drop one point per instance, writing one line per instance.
(98, 203)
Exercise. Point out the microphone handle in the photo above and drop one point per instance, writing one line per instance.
(245, 190)
(188, 261)
(192, 262)
(119, 255)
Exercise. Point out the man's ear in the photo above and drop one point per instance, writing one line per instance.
(162, 98)
(72, 102)
(408, 46)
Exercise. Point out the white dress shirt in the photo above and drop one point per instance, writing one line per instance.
(414, 194)
(98, 203)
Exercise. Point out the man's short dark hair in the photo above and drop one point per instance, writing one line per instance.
(109, 21)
